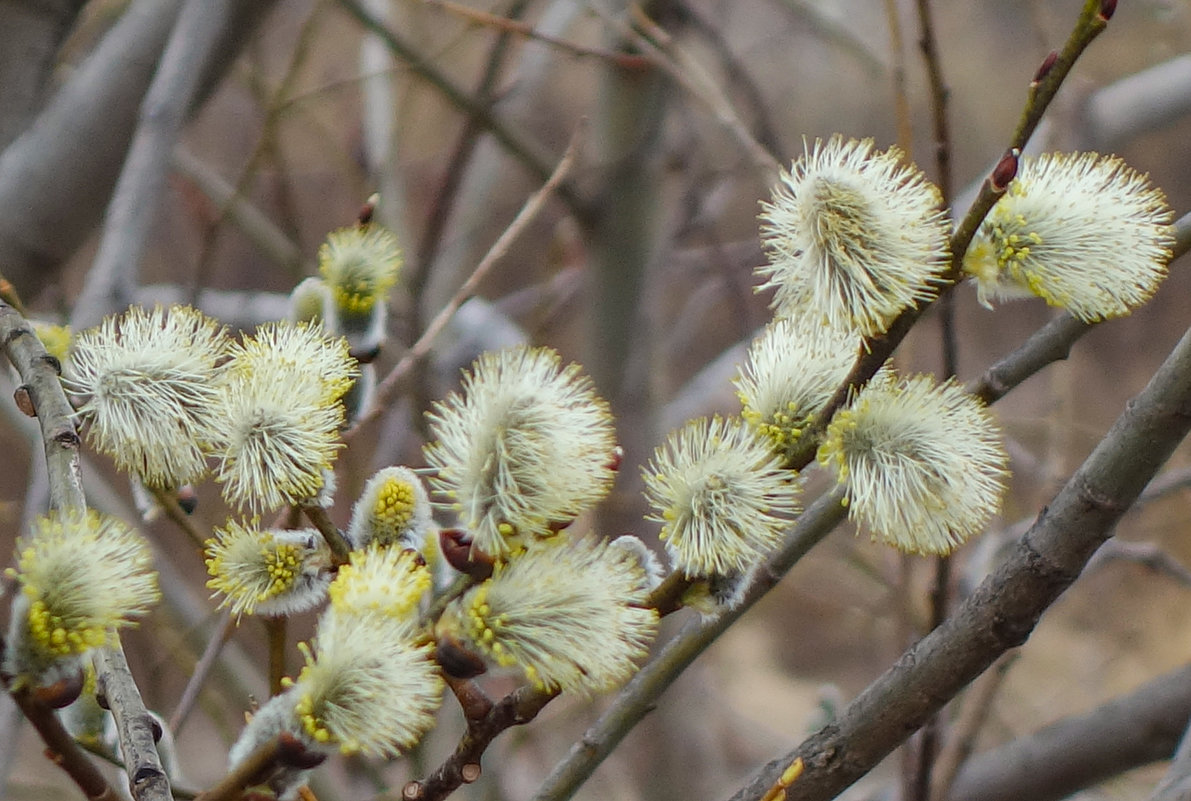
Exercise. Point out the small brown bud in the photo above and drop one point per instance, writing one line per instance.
(1045, 67)
(457, 548)
(617, 459)
(293, 752)
(456, 660)
(1107, 9)
(188, 498)
(1005, 171)
(367, 210)
(62, 693)
(470, 772)
(24, 401)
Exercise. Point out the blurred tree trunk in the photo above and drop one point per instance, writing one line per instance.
(55, 179)
(623, 243)
(30, 35)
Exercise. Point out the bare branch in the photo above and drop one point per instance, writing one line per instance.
(1077, 752)
(1142, 102)
(63, 750)
(48, 209)
(1004, 609)
(39, 372)
(30, 36)
(139, 731)
(514, 141)
(267, 237)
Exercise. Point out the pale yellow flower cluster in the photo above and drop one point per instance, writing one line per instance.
(82, 575)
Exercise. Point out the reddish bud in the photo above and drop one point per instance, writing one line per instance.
(617, 459)
(62, 693)
(187, 498)
(24, 401)
(293, 752)
(1005, 170)
(417, 557)
(457, 548)
(1044, 69)
(1107, 9)
(367, 210)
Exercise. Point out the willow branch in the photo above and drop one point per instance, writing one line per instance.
(876, 350)
(1076, 752)
(514, 141)
(39, 373)
(664, 53)
(138, 730)
(318, 517)
(62, 750)
(463, 767)
(641, 693)
(504, 24)
(1004, 609)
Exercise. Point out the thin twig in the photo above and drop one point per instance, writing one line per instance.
(168, 501)
(463, 766)
(202, 670)
(875, 351)
(275, 629)
(514, 140)
(929, 737)
(138, 730)
(901, 101)
(340, 549)
(1146, 554)
(1077, 752)
(442, 205)
(524, 29)
(232, 204)
(270, 240)
(62, 750)
(962, 740)
(387, 388)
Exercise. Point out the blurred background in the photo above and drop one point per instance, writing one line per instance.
(641, 268)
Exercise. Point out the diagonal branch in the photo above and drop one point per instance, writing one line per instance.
(1004, 609)
(39, 376)
(875, 351)
(1068, 755)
